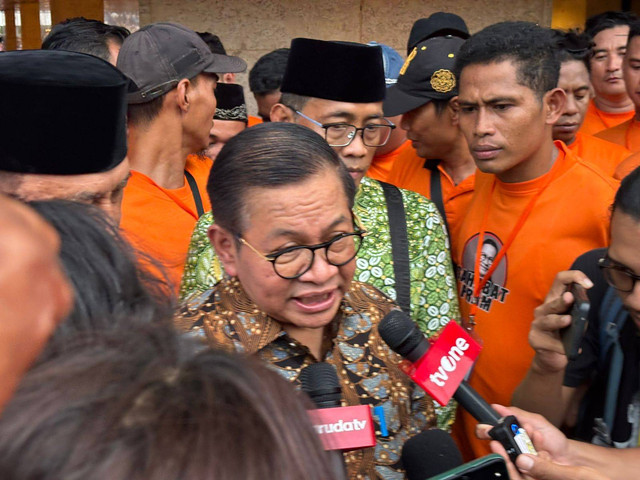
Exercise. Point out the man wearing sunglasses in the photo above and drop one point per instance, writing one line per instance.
(598, 393)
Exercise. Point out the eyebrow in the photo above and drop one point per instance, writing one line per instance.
(491, 101)
(350, 116)
(283, 232)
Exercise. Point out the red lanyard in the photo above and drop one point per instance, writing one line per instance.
(479, 283)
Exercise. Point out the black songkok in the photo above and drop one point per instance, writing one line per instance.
(340, 71)
(63, 113)
(231, 106)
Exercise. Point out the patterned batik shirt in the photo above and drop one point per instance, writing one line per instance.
(433, 297)
(367, 368)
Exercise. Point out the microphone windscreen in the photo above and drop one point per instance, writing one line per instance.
(402, 335)
(430, 453)
(320, 381)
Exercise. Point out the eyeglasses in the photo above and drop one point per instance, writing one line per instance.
(342, 134)
(293, 262)
(617, 275)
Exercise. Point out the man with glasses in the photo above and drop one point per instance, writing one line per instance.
(604, 380)
(336, 89)
(287, 239)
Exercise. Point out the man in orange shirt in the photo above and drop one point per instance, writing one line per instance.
(265, 78)
(627, 134)
(573, 51)
(611, 104)
(539, 203)
(426, 96)
(170, 116)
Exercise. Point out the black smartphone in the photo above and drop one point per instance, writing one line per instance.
(489, 467)
(572, 334)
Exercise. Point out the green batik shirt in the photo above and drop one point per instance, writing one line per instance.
(433, 297)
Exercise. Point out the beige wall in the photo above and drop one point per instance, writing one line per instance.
(251, 28)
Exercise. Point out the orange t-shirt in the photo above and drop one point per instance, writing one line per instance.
(627, 166)
(382, 164)
(253, 121)
(570, 217)
(159, 221)
(601, 153)
(626, 134)
(409, 172)
(596, 120)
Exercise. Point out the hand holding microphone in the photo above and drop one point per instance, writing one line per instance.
(442, 371)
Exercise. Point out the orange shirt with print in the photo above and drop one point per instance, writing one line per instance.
(381, 165)
(601, 153)
(409, 172)
(626, 134)
(159, 221)
(570, 217)
(596, 120)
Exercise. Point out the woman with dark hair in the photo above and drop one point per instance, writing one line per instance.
(143, 403)
(109, 286)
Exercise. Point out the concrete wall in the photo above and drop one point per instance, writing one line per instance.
(251, 28)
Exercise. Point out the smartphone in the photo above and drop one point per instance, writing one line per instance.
(513, 437)
(490, 467)
(572, 334)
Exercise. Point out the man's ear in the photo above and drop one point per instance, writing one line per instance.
(224, 243)
(554, 102)
(453, 107)
(183, 91)
(282, 113)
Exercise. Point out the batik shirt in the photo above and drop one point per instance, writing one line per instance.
(367, 368)
(433, 297)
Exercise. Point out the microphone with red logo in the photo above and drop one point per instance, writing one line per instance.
(439, 368)
(339, 428)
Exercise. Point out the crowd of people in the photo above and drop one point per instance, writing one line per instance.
(171, 264)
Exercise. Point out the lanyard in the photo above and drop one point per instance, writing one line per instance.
(479, 283)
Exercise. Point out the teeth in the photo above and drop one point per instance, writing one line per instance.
(314, 299)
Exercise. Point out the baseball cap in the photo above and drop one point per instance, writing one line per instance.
(159, 55)
(63, 113)
(438, 24)
(392, 62)
(426, 75)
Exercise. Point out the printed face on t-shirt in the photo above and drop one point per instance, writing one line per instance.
(505, 123)
(574, 80)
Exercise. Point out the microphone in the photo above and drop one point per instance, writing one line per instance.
(339, 428)
(405, 338)
(429, 453)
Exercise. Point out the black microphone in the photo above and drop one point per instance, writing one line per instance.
(429, 453)
(405, 338)
(320, 381)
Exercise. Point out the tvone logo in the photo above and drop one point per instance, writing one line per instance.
(449, 362)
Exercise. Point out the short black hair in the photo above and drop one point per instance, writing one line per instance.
(266, 75)
(84, 35)
(268, 155)
(213, 42)
(294, 101)
(606, 20)
(634, 30)
(529, 46)
(573, 46)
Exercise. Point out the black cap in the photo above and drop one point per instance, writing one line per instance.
(340, 71)
(438, 24)
(63, 113)
(159, 55)
(426, 75)
(231, 106)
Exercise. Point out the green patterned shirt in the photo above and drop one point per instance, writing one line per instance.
(433, 297)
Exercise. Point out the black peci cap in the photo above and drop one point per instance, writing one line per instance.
(340, 71)
(231, 105)
(63, 113)
(438, 24)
